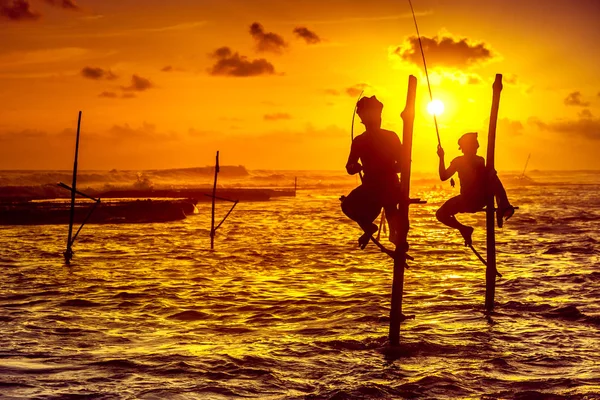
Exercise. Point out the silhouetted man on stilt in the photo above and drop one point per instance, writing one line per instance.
(379, 151)
(473, 182)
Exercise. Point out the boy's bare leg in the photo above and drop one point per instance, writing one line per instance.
(446, 213)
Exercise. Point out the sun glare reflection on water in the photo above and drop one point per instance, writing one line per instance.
(287, 307)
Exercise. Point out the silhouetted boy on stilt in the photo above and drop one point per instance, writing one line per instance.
(473, 181)
(379, 150)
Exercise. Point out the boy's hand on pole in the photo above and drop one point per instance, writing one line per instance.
(440, 151)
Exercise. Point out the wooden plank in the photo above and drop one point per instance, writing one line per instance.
(65, 186)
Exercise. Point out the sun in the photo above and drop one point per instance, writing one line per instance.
(435, 107)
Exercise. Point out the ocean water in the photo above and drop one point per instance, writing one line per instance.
(287, 306)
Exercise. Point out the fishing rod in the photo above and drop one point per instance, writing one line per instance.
(352, 128)
(437, 131)
(426, 73)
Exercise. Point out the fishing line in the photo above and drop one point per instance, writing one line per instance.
(426, 73)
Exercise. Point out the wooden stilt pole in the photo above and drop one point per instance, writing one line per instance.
(212, 219)
(295, 185)
(381, 224)
(68, 254)
(490, 272)
(408, 117)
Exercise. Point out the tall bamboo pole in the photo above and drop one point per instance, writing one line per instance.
(490, 272)
(408, 117)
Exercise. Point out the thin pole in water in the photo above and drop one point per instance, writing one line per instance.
(525, 168)
(212, 221)
(295, 185)
(400, 256)
(68, 254)
(490, 271)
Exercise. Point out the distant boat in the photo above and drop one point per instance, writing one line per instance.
(525, 167)
(524, 179)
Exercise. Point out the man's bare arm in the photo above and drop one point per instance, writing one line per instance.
(353, 166)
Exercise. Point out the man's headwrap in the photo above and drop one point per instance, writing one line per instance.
(369, 107)
(467, 138)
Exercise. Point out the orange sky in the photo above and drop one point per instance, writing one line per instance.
(272, 84)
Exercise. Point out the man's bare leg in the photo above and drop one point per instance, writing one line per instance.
(363, 241)
(391, 215)
(360, 207)
(504, 209)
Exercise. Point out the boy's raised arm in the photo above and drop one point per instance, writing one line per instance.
(445, 174)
